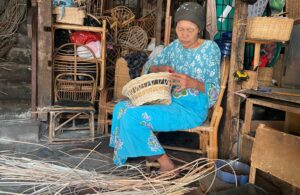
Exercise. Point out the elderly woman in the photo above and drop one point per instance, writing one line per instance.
(195, 67)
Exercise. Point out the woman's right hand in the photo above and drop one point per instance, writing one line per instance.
(161, 69)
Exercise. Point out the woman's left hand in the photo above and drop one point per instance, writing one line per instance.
(183, 81)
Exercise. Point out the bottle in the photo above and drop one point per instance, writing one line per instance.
(151, 45)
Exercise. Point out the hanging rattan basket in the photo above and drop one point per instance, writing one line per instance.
(122, 15)
(269, 28)
(134, 38)
(153, 88)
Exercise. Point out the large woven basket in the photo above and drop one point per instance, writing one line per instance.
(153, 88)
(269, 28)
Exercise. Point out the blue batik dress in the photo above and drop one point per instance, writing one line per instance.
(133, 127)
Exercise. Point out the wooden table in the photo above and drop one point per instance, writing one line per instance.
(276, 101)
(287, 103)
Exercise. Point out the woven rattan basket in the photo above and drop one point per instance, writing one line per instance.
(269, 28)
(153, 88)
(122, 15)
(72, 15)
(134, 38)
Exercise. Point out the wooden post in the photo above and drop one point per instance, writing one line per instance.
(32, 20)
(167, 24)
(158, 21)
(44, 70)
(229, 134)
(256, 55)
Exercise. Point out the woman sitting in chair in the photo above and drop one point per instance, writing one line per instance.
(195, 67)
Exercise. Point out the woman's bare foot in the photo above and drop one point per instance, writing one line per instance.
(152, 158)
(165, 163)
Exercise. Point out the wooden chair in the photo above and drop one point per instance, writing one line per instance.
(110, 96)
(75, 85)
(208, 132)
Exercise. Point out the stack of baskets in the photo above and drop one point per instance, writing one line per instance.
(269, 28)
(153, 88)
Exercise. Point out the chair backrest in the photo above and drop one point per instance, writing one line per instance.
(75, 73)
(121, 77)
(75, 58)
(75, 87)
(224, 73)
(276, 153)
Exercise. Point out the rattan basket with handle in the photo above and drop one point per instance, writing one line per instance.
(269, 28)
(153, 88)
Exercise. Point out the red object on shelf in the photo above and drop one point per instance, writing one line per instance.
(263, 61)
(84, 37)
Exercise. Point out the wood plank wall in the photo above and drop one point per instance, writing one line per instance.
(229, 134)
(44, 74)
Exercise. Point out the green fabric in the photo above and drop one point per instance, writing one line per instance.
(227, 24)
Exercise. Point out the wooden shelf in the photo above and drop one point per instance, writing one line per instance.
(102, 31)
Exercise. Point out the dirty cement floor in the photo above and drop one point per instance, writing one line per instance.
(72, 154)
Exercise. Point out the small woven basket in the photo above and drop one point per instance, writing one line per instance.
(269, 28)
(153, 88)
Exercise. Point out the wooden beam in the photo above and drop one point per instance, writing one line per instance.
(229, 134)
(159, 5)
(32, 20)
(167, 24)
(44, 72)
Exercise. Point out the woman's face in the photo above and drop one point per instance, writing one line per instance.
(187, 33)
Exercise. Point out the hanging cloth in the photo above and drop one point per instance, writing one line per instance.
(258, 8)
(211, 19)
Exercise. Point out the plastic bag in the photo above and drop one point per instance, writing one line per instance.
(277, 5)
(63, 4)
(84, 37)
(95, 46)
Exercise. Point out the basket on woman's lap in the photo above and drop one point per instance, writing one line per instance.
(153, 88)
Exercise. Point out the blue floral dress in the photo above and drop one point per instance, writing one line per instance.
(133, 126)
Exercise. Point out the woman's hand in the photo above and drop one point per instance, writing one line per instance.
(183, 81)
(161, 69)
